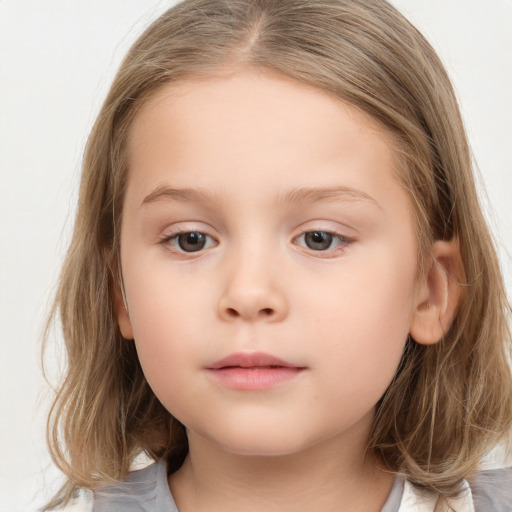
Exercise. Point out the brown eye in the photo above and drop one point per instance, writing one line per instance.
(187, 242)
(191, 242)
(318, 240)
(322, 241)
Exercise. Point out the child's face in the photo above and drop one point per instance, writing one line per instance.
(262, 216)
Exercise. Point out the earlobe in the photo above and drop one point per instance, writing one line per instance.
(123, 317)
(438, 294)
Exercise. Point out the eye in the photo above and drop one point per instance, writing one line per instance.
(321, 240)
(189, 241)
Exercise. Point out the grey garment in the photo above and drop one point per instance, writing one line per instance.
(492, 490)
(395, 496)
(147, 490)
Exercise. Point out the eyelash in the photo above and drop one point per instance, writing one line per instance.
(342, 240)
(169, 241)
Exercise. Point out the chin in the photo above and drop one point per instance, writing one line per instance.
(259, 442)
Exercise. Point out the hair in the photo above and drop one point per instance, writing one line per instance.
(450, 402)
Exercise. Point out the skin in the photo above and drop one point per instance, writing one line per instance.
(343, 314)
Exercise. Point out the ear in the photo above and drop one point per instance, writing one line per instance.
(121, 310)
(438, 294)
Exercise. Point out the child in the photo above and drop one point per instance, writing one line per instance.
(281, 286)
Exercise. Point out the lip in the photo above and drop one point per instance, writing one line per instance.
(251, 360)
(253, 371)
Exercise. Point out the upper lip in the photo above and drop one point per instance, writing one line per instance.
(251, 360)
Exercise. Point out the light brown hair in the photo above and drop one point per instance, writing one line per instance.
(449, 402)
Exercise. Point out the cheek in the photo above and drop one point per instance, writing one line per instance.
(166, 326)
(163, 301)
(363, 322)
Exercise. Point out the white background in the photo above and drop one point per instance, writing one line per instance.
(57, 59)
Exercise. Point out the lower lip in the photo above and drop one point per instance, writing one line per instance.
(254, 379)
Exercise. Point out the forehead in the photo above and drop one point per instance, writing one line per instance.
(249, 121)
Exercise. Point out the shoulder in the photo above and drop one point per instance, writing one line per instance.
(492, 490)
(145, 490)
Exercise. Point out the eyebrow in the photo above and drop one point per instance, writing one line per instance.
(294, 196)
(192, 195)
(326, 194)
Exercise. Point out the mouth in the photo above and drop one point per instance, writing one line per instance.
(253, 371)
(251, 360)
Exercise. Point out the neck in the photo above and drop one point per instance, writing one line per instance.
(333, 475)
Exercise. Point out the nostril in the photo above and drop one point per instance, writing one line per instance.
(232, 312)
(267, 311)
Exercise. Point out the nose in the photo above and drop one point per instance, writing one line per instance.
(253, 292)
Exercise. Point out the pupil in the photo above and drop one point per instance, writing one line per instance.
(191, 242)
(318, 240)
